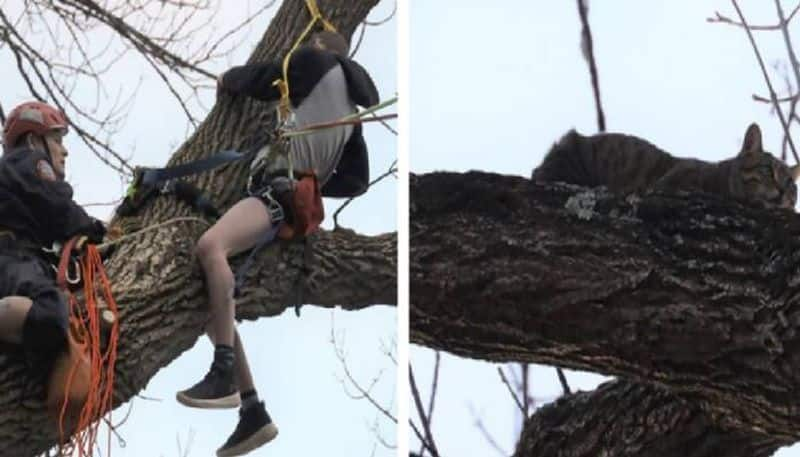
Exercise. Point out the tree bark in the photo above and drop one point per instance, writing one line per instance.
(156, 282)
(699, 295)
(624, 419)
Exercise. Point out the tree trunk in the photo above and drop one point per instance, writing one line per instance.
(623, 419)
(699, 295)
(155, 279)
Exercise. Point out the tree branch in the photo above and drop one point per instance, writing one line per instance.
(697, 294)
(627, 420)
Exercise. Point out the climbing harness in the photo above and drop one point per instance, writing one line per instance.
(81, 387)
(306, 207)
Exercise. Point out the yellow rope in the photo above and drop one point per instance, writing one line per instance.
(315, 13)
(284, 106)
(283, 83)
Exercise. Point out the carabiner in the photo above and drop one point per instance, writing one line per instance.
(77, 278)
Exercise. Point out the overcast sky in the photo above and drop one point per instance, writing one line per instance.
(294, 364)
(492, 88)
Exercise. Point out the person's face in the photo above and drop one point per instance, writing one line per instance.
(58, 153)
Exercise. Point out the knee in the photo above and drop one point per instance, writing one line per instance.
(206, 249)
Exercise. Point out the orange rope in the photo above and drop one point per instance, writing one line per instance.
(85, 326)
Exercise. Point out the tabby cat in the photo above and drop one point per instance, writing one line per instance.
(626, 164)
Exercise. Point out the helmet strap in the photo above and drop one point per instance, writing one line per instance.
(46, 148)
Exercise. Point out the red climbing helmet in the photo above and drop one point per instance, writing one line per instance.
(36, 117)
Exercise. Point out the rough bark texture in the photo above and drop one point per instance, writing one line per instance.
(623, 419)
(157, 284)
(694, 293)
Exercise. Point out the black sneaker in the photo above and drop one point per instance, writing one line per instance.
(216, 390)
(254, 429)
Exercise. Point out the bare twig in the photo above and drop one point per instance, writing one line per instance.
(428, 441)
(588, 53)
(360, 39)
(792, 116)
(563, 380)
(366, 23)
(772, 94)
(761, 99)
(486, 434)
(417, 432)
(384, 123)
(189, 440)
(384, 20)
(364, 393)
(524, 389)
(434, 386)
(793, 62)
(719, 18)
(511, 390)
(795, 65)
(391, 172)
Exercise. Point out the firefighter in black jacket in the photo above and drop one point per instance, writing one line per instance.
(324, 85)
(36, 210)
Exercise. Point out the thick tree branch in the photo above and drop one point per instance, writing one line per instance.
(626, 420)
(694, 293)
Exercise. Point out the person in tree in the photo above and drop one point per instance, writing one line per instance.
(36, 211)
(324, 85)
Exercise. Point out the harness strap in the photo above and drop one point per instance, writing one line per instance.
(302, 277)
(153, 176)
(241, 273)
(147, 182)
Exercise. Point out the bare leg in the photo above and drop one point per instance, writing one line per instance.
(13, 311)
(244, 377)
(237, 230)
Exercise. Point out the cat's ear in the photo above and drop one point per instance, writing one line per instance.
(752, 141)
(795, 171)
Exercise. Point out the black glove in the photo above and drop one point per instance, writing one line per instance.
(96, 232)
(194, 197)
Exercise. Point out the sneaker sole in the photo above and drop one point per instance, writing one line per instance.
(263, 436)
(231, 401)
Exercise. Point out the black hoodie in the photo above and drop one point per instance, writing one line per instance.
(306, 67)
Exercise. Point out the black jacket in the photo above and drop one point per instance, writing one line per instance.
(306, 67)
(36, 205)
